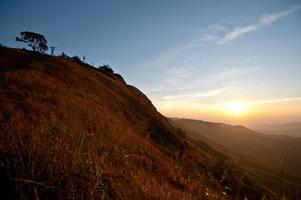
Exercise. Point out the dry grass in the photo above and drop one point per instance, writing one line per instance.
(69, 131)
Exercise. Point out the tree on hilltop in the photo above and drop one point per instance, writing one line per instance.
(37, 42)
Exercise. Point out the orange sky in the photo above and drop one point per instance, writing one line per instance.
(254, 113)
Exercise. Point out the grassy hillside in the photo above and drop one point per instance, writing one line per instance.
(274, 161)
(70, 131)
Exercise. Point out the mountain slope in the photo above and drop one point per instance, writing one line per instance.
(270, 159)
(69, 131)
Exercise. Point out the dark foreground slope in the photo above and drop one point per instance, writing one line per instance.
(69, 131)
(273, 160)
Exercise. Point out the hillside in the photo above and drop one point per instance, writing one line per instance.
(272, 160)
(70, 131)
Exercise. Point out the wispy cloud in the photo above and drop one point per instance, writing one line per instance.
(183, 75)
(191, 96)
(220, 35)
(264, 21)
(275, 100)
(184, 85)
(211, 33)
(232, 73)
(215, 34)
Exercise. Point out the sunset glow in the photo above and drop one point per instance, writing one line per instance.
(236, 108)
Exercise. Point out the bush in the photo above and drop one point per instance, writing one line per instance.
(76, 59)
(64, 55)
(106, 68)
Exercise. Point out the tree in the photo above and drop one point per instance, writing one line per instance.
(34, 40)
(42, 48)
(52, 50)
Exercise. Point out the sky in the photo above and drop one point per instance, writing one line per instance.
(191, 58)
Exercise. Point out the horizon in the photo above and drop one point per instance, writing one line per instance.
(239, 66)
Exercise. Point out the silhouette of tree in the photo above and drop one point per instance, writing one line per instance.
(76, 59)
(42, 48)
(64, 55)
(34, 40)
(52, 50)
(106, 67)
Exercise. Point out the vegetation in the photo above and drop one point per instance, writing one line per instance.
(35, 41)
(52, 50)
(70, 131)
(76, 59)
(106, 67)
(64, 55)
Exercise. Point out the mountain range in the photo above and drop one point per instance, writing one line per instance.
(272, 160)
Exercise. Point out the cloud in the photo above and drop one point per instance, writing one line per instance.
(190, 96)
(263, 21)
(276, 100)
(212, 33)
(182, 76)
(184, 54)
(232, 73)
(186, 85)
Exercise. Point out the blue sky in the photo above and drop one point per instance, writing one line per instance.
(179, 53)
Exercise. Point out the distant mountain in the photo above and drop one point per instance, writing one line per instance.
(289, 129)
(270, 159)
(71, 131)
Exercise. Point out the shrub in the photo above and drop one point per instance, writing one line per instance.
(106, 68)
(64, 55)
(76, 59)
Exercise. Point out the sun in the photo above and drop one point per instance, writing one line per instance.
(236, 108)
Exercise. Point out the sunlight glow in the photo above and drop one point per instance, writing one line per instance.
(236, 108)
